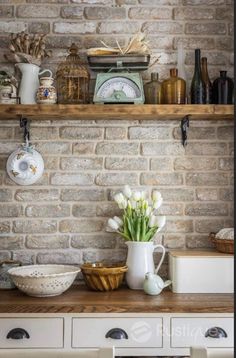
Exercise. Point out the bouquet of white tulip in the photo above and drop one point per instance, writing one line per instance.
(139, 221)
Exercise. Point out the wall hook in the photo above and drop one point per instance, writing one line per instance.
(24, 123)
(184, 128)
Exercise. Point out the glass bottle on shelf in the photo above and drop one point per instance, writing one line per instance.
(206, 80)
(223, 88)
(198, 87)
(181, 66)
(72, 79)
(174, 89)
(153, 90)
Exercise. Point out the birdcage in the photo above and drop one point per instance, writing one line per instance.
(72, 79)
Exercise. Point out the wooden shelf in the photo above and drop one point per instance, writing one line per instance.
(99, 111)
(81, 300)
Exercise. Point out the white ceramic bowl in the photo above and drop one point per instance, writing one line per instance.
(43, 280)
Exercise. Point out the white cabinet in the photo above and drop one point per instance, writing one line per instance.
(132, 334)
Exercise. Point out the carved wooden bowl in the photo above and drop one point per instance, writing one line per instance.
(101, 277)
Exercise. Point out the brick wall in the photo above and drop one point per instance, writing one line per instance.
(62, 218)
(207, 24)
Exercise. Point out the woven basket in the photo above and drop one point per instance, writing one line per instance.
(226, 246)
(100, 277)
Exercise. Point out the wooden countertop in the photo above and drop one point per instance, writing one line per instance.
(80, 300)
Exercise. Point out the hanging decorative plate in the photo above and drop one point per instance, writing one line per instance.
(25, 165)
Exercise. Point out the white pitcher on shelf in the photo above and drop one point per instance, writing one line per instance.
(29, 83)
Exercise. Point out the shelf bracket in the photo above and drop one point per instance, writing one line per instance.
(184, 129)
(24, 123)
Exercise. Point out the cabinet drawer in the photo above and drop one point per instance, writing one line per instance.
(187, 332)
(31, 333)
(117, 332)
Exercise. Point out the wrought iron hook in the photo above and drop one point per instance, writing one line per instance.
(184, 128)
(24, 123)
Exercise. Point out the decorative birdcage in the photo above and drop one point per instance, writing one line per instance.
(72, 79)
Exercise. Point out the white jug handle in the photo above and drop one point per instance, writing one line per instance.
(162, 257)
(167, 283)
(40, 73)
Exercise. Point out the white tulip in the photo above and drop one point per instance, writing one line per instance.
(157, 203)
(161, 220)
(127, 191)
(136, 195)
(133, 204)
(113, 224)
(152, 221)
(148, 211)
(123, 204)
(118, 221)
(143, 195)
(119, 198)
(156, 195)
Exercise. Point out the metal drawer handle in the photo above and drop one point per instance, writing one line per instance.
(117, 333)
(216, 332)
(18, 333)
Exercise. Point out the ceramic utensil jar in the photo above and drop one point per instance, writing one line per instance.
(46, 93)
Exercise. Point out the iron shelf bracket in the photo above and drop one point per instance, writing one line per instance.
(184, 129)
(25, 123)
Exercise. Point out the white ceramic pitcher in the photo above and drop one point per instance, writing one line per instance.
(29, 83)
(140, 261)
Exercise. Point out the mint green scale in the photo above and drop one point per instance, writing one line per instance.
(119, 87)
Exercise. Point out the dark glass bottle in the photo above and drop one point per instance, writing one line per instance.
(198, 88)
(223, 88)
(153, 90)
(174, 89)
(207, 81)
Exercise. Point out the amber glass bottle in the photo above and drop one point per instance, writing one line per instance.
(174, 89)
(153, 90)
(206, 80)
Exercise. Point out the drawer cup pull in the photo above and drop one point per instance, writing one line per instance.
(117, 333)
(18, 333)
(216, 332)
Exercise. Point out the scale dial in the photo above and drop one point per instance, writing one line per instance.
(119, 87)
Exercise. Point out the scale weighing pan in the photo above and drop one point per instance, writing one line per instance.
(105, 62)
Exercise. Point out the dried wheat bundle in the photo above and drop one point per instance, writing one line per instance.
(137, 45)
(28, 49)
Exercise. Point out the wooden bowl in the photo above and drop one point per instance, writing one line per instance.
(101, 277)
(226, 246)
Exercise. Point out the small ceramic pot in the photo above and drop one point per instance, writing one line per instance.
(6, 94)
(46, 93)
(6, 282)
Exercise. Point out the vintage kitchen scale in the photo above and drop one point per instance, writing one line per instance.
(119, 81)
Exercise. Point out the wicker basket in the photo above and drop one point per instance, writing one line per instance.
(101, 277)
(226, 246)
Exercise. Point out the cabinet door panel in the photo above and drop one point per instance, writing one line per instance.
(117, 332)
(207, 332)
(31, 333)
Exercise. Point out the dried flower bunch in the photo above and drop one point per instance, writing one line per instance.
(28, 49)
(139, 222)
(137, 45)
